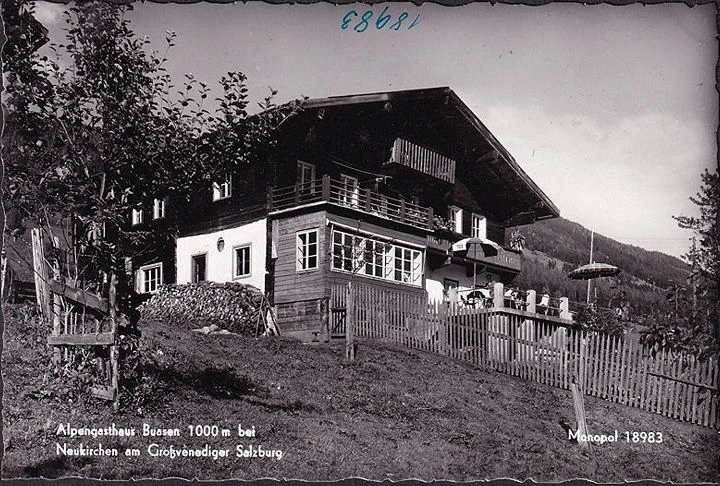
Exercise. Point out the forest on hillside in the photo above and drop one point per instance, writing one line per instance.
(555, 247)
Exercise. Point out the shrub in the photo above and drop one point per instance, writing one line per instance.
(588, 318)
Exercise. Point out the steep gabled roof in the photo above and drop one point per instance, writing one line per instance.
(486, 160)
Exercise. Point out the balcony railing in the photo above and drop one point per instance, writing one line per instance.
(336, 192)
(500, 297)
(506, 257)
(423, 160)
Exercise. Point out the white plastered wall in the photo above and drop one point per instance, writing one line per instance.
(435, 279)
(221, 264)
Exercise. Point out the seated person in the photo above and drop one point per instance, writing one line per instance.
(544, 305)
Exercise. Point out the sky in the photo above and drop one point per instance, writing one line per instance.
(611, 110)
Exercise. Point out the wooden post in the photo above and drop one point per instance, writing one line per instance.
(442, 315)
(56, 311)
(531, 300)
(582, 362)
(350, 324)
(498, 295)
(42, 291)
(325, 314)
(325, 187)
(564, 308)
(579, 406)
(270, 199)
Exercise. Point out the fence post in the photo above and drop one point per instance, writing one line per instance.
(442, 315)
(350, 324)
(498, 295)
(579, 406)
(582, 363)
(42, 286)
(56, 311)
(531, 300)
(565, 308)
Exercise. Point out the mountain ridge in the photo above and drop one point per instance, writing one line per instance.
(555, 247)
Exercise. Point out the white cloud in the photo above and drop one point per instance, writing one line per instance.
(624, 179)
(49, 14)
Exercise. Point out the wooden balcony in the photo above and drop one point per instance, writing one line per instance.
(423, 160)
(367, 201)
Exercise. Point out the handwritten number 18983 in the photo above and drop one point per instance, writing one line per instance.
(361, 23)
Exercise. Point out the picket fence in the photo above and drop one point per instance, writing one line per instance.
(537, 348)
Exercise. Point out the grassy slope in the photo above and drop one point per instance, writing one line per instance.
(393, 414)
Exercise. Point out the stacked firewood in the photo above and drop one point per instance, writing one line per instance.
(230, 306)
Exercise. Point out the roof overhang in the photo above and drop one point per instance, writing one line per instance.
(485, 160)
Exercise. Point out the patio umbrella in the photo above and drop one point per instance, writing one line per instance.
(594, 270)
(489, 248)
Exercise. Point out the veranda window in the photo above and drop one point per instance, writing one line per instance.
(307, 250)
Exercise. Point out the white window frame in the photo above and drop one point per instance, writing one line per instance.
(479, 226)
(301, 179)
(222, 190)
(410, 265)
(456, 218)
(349, 190)
(159, 208)
(137, 217)
(303, 252)
(236, 249)
(141, 280)
(370, 256)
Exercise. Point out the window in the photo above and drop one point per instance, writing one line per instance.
(305, 172)
(307, 250)
(479, 226)
(347, 252)
(407, 266)
(242, 261)
(198, 271)
(137, 217)
(456, 219)
(349, 190)
(222, 190)
(149, 278)
(159, 208)
(376, 258)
